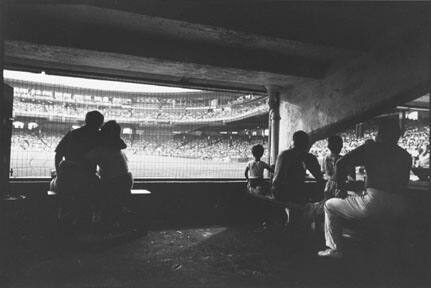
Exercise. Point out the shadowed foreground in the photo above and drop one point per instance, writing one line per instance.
(247, 256)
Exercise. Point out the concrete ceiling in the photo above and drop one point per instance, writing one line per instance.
(234, 45)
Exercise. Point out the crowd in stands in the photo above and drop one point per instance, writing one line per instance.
(350, 142)
(37, 108)
(221, 147)
(25, 90)
(414, 139)
(217, 148)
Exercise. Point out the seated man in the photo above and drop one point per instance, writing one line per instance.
(290, 170)
(76, 181)
(388, 169)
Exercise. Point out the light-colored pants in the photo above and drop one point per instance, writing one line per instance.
(375, 204)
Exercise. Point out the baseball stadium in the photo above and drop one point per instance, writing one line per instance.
(183, 143)
(177, 135)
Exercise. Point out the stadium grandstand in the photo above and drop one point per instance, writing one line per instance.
(414, 139)
(193, 133)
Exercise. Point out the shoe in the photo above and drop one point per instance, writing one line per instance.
(331, 253)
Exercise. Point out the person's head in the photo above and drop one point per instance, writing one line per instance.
(111, 130)
(388, 131)
(301, 140)
(257, 151)
(94, 119)
(335, 144)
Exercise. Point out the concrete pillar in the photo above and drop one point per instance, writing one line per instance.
(395, 71)
(274, 123)
(292, 119)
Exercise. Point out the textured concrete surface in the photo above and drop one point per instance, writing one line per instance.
(395, 71)
(247, 256)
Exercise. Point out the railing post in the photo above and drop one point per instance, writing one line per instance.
(274, 122)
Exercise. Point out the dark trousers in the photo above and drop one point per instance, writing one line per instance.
(116, 194)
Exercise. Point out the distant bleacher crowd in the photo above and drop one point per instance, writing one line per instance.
(217, 147)
(42, 104)
(415, 138)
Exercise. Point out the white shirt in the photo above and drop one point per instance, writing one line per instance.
(256, 169)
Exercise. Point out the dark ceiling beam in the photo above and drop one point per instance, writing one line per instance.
(68, 61)
(174, 29)
(108, 30)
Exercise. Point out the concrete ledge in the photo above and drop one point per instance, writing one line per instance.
(140, 192)
(133, 192)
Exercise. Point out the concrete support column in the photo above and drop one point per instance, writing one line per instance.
(274, 123)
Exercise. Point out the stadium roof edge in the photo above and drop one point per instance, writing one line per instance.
(91, 83)
(168, 93)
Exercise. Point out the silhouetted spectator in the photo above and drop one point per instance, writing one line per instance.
(254, 172)
(388, 170)
(290, 170)
(335, 144)
(77, 182)
(77, 143)
(116, 180)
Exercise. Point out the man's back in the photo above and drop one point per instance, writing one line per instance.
(387, 165)
(290, 173)
(77, 143)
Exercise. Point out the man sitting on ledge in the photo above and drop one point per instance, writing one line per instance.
(388, 170)
(290, 170)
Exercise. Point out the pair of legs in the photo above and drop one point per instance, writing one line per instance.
(78, 193)
(375, 204)
(115, 195)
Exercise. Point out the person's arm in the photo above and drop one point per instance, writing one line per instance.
(327, 169)
(58, 158)
(314, 167)
(352, 174)
(269, 168)
(60, 151)
(344, 165)
(281, 165)
(408, 167)
(246, 172)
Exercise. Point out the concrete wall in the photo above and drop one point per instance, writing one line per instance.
(395, 71)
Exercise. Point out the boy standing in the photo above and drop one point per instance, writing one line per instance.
(254, 172)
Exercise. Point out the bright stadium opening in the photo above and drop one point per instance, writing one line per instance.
(170, 132)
